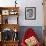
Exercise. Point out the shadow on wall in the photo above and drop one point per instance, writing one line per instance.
(37, 29)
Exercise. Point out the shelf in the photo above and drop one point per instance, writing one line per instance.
(5, 12)
(10, 26)
(5, 8)
(11, 41)
(9, 10)
(11, 15)
(10, 19)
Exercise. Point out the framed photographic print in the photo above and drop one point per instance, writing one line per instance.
(5, 12)
(30, 13)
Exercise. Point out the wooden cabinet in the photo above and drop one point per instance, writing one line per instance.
(7, 25)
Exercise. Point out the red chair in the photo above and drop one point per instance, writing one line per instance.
(29, 33)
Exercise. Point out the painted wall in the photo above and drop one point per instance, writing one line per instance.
(26, 3)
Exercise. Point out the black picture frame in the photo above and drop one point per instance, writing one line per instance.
(30, 13)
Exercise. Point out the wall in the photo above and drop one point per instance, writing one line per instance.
(27, 3)
(39, 12)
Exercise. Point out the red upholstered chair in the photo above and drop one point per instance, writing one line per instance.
(29, 33)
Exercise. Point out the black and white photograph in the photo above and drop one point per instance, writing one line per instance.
(30, 13)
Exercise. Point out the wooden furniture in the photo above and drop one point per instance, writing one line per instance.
(11, 26)
(8, 11)
(44, 8)
(10, 43)
(5, 13)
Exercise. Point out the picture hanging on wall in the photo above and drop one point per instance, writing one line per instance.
(30, 13)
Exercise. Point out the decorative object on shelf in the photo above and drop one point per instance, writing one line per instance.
(7, 34)
(5, 12)
(13, 12)
(15, 37)
(15, 3)
(15, 34)
(30, 13)
(6, 21)
(15, 30)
